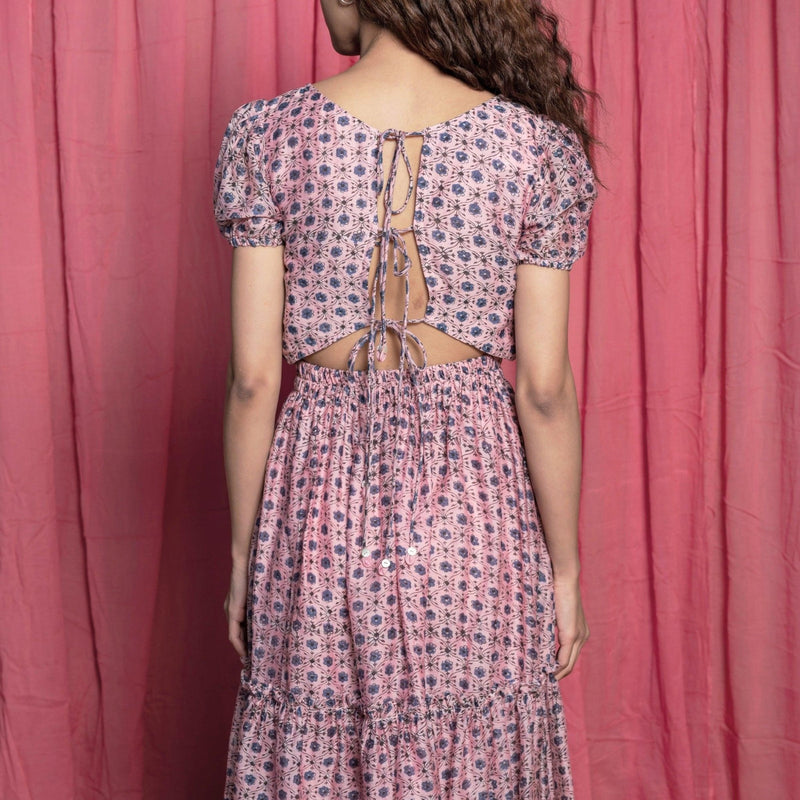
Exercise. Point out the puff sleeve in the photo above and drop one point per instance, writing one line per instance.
(559, 200)
(244, 209)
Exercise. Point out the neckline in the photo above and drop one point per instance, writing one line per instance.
(311, 87)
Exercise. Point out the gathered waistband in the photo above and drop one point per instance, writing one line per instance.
(397, 435)
(475, 366)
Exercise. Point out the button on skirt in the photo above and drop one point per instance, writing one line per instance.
(400, 611)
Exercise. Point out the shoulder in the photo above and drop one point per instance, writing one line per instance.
(542, 133)
(556, 154)
(260, 114)
(542, 139)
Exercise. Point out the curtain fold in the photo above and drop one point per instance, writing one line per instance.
(116, 676)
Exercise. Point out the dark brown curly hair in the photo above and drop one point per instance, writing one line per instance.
(508, 47)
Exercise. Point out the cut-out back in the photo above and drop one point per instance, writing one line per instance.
(390, 492)
(486, 191)
(397, 287)
(401, 247)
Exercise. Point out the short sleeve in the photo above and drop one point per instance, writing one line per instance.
(559, 201)
(243, 206)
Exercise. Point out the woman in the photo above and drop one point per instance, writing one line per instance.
(396, 583)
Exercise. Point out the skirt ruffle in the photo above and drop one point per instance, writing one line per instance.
(507, 742)
(400, 612)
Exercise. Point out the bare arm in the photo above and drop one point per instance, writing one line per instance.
(253, 385)
(547, 408)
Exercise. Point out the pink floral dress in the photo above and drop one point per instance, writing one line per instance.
(400, 610)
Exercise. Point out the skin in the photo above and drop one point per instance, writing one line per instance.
(391, 86)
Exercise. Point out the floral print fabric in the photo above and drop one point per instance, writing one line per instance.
(400, 608)
(432, 678)
(498, 186)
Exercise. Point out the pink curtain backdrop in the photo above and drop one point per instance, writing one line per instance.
(116, 676)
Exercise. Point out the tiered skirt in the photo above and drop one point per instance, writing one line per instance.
(400, 619)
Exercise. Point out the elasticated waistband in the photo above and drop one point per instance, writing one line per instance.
(477, 366)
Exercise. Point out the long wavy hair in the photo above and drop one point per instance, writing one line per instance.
(509, 47)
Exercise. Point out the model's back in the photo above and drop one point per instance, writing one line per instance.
(473, 194)
(396, 620)
(364, 103)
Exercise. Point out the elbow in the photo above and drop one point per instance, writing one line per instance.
(545, 399)
(247, 388)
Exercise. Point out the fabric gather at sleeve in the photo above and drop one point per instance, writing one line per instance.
(559, 200)
(243, 206)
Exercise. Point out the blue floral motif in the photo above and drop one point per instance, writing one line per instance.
(400, 625)
(269, 190)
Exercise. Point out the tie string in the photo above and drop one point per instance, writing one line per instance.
(379, 327)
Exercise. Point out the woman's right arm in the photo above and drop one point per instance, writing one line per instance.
(253, 386)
